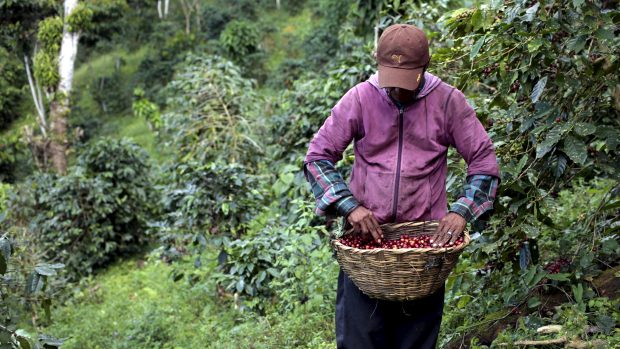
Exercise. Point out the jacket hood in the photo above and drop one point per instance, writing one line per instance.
(430, 83)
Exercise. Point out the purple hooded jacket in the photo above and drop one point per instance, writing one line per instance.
(400, 164)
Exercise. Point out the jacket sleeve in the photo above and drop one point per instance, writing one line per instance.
(330, 191)
(329, 188)
(477, 197)
(340, 128)
(468, 136)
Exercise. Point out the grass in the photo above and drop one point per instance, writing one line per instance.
(283, 43)
(122, 124)
(136, 304)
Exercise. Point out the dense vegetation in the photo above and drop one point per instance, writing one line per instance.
(184, 220)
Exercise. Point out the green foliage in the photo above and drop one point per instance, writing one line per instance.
(50, 34)
(4, 188)
(217, 14)
(46, 69)
(11, 77)
(145, 109)
(95, 213)
(240, 39)
(157, 68)
(211, 112)
(112, 92)
(80, 19)
(29, 284)
(241, 43)
(212, 198)
(46, 60)
(136, 304)
(305, 107)
(109, 19)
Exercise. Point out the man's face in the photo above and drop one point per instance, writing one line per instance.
(400, 94)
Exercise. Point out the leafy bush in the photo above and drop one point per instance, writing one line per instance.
(240, 39)
(241, 43)
(11, 78)
(157, 69)
(95, 213)
(14, 157)
(145, 109)
(204, 199)
(27, 288)
(292, 263)
(212, 112)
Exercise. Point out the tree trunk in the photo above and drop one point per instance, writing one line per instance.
(187, 13)
(59, 111)
(59, 107)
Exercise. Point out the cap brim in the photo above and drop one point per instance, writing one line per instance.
(408, 79)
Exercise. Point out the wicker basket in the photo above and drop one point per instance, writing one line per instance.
(400, 274)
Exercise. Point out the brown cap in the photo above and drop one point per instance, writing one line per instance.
(402, 53)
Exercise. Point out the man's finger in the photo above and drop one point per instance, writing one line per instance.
(456, 233)
(441, 236)
(357, 228)
(377, 227)
(364, 227)
(371, 228)
(450, 233)
(437, 232)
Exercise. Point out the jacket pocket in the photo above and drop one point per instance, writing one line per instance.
(414, 198)
(379, 194)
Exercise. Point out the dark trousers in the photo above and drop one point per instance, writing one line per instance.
(363, 322)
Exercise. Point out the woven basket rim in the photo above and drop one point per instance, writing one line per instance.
(431, 250)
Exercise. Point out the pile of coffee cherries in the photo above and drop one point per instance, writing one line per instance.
(405, 241)
(556, 266)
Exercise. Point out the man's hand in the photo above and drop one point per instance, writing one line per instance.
(450, 228)
(364, 222)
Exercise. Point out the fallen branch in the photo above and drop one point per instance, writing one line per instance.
(576, 344)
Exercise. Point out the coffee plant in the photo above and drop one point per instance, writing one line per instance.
(95, 213)
(25, 283)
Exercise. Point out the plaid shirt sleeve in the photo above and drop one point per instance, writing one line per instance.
(329, 188)
(477, 198)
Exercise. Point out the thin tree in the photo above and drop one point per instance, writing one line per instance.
(53, 142)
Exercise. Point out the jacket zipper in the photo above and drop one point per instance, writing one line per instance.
(400, 153)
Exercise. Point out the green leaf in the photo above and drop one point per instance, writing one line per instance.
(560, 165)
(576, 150)
(584, 128)
(533, 302)
(604, 34)
(43, 269)
(578, 3)
(5, 248)
(23, 339)
(578, 292)
(522, 163)
(240, 285)
(512, 13)
(576, 43)
(476, 19)
(534, 45)
(553, 137)
(538, 89)
(558, 277)
(463, 301)
(531, 12)
(476, 48)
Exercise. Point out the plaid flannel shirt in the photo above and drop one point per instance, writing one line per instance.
(333, 196)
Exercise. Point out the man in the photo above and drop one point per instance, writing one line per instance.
(402, 121)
